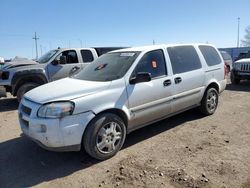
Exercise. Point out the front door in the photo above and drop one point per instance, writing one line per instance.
(59, 70)
(150, 101)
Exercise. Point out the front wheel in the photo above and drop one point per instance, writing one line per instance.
(234, 79)
(104, 136)
(24, 89)
(209, 101)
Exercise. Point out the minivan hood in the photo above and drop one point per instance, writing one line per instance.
(65, 89)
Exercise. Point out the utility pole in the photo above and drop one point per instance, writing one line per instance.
(153, 42)
(36, 38)
(238, 37)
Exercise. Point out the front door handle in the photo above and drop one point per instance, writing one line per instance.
(177, 80)
(75, 69)
(166, 83)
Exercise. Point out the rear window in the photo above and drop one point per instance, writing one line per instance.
(183, 59)
(211, 55)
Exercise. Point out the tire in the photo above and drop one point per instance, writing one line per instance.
(24, 89)
(234, 79)
(104, 136)
(209, 101)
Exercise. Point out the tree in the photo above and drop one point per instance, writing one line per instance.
(246, 41)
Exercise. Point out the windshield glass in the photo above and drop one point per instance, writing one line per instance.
(226, 56)
(108, 67)
(46, 57)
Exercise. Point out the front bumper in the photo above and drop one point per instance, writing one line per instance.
(241, 74)
(2, 92)
(63, 134)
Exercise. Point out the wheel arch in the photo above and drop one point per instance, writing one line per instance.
(117, 112)
(215, 85)
(20, 79)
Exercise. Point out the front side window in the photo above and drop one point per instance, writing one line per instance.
(152, 62)
(71, 56)
(108, 67)
(87, 56)
(210, 54)
(183, 59)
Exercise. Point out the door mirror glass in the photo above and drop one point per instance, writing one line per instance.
(140, 77)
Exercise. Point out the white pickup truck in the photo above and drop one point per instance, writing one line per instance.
(18, 77)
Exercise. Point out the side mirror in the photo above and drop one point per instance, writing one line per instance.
(140, 77)
(63, 59)
(55, 62)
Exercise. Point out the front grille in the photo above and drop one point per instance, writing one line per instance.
(23, 121)
(245, 67)
(25, 113)
(26, 110)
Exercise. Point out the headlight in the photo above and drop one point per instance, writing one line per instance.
(237, 66)
(56, 110)
(4, 75)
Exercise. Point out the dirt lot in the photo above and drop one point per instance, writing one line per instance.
(187, 150)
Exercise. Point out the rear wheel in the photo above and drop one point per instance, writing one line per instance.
(104, 136)
(24, 89)
(209, 101)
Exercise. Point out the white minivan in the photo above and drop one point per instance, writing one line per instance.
(119, 92)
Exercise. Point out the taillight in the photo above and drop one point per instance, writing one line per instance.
(225, 70)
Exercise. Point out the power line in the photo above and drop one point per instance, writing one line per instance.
(36, 38)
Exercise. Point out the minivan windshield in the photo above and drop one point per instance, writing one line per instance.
(108, 67)
(46, 57)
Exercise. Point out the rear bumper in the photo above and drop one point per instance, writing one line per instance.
(223, 84)
(2, 92)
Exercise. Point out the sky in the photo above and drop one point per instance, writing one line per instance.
(88, 23)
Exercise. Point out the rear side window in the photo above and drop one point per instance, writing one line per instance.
(211, 55)
(184, 59)
(87, 56)
(152, 62)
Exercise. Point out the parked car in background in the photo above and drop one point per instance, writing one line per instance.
(243, 55)
(119, 92)
(1, 62)
(241, 70)
(227, 60)
(22, 75)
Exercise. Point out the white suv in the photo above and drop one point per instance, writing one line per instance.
(119, 92)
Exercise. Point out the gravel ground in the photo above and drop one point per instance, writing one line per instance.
(187, 150)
